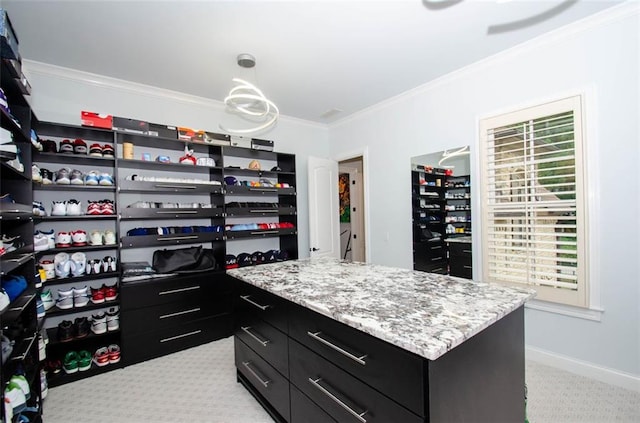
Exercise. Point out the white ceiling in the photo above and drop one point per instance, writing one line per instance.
(312, 56)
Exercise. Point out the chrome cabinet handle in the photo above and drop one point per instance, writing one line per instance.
(263, 232)
(264, 383)
(177, 238)
(173, 338)
(261, 307)
(178, 212)
(264, 189)
(175, 186)
(466, 251)
(467, 267)
(263, 211)
(315, 382)
(246, 330)
(179, 313)
(175, 291)
(355, 358)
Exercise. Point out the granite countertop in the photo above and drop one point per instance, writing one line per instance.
(424, 313)
(460, 239)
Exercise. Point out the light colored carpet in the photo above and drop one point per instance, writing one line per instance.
(199, 386)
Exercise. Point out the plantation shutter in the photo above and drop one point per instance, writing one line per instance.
(533, 212)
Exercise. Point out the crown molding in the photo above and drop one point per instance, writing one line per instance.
(603, 18)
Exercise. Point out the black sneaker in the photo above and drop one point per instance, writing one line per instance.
(49, 146)
(82, 327)
(47, 176)
(65, 331)
(66, 147)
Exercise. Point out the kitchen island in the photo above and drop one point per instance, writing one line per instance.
(326, 340)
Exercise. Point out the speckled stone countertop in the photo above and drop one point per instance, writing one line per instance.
(461, 239)
(425, 313)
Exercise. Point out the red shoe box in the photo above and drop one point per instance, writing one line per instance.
(96, 120)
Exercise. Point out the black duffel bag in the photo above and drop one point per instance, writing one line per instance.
(184, 260)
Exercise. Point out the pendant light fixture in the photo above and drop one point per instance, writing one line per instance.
(248, 101)
(455, 153)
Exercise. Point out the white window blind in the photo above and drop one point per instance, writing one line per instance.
(533, 200)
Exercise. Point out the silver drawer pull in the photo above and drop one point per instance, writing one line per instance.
(436, 248)
(264, 383)
(173, 338)
(315, 382)
(245, 329)
(175, 186)
(264, 232)
(261, 307)
(466, 251)
(178, 212)
(439, 269)
(264, 189)
(467, 267)
(317, 337)
(177, 238)
(179, 313)
(263, 211)
(175, 291)
(436, 258)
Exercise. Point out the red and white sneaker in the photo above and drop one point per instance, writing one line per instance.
(107, 151)
(97, 295)
(63, 240)
(114, 353)
(94, 207)
(79, 238)
(95, 150)
(107, 207)
(101, 357)
(110, 292)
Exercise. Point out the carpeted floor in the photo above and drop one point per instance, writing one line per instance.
(199, 386)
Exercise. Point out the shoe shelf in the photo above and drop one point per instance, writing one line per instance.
(55, 311)
(62, 378)
(170, 213)
(236, 171)
(24, 347)
(168, 187)
(76, 159)
(260, 212)
(260, 233)
(10, 172)
(11, 126)
(63, 130)
(15, 211)
(71, 187)
(11, 261)
(138, 241)
(76, 249)
(245, 190)
(52, 333)
(173, 167)
(39, 219)
(60, 281)
(18, 306)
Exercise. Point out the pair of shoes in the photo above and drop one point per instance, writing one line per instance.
(44, 240)
(78, 146)
(73, 297)
(96, 178)
(71, 207)
(77, 238)
(78, 329)
(107, 355)
(49, 146)
(75, 265)
(77, 361)
(38, 209)
(47, 300)
(107, 237)
(97, 150)
(106, 322)
(104, 293)
(102, 207)
(10, 243)
(96, 266)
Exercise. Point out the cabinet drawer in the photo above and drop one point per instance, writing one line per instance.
(262, 304)
(303, 410)
(156, 343)
(461, 269)
(394, 372)
(264, 339)
(176, 313)
(458, 249)
(180, 288)
(263, 378)
(339, 394)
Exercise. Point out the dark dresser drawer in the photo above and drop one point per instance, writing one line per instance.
(155, 343)
(263, 378)
(176, 313)
(303, 410)
(262, 304)
(179, 288)
(460, 249)
(371, 360)
(270, 343)
(460, 269)
(340, 394)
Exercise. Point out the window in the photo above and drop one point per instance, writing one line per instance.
(533, 219)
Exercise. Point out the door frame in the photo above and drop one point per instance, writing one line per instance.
(352, 154)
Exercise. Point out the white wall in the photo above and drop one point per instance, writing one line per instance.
(600, 55)
(60, 94)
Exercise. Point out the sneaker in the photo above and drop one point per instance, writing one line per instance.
(74, 208)
(70, 364)
(105, 179)
(35, 173)
(95, 150)
(21, 381)
(65, 331)
(109, 237)
(84, 360)
(63, 240)
(65, 299)
(51, 236)
(99, 323)
(49, 146)
(98, 295)
(66, 147)
(53, 366)
(101, 357)
(96, 238)
(14, 398)
(94, 208)
(113, 319)
(114, 353)
(4, 303)
(62, 176)
(94, 267)
(47, 299)
(91, 178)
(42, 349)
(79, 146)
(107, 207)
(82, 327)
(109, 264)
(49, 269)
(81, 296)
(40, 311)
(79, 261)
(59, 208)
(110, 292)
(44, 386)
(107, 151)
(77, 177)
(38, 209)
(47, 176)
(79, 239)
(40, 242)
(63, 267)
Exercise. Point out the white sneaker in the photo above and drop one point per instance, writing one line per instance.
(113, 319)
(65, 299)
(51, 236)
(109, 237)
(63, 239)
(49, 269)
(40, 242)
(79, 264)
(81, 296)
(79, 238)
(99, 323)
(62, 265)
(74, 208)
(4, 300)
(95, 238)
(59, 208)
(35, 173)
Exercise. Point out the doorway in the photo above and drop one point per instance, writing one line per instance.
(351, 209)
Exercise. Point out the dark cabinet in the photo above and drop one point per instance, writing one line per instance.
(460, 257)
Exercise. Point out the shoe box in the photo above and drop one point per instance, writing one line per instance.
(163, 131)
(133, 126)
(217, 139)
(8, 38)
(264, 145)
(96, 120)
(238, 141)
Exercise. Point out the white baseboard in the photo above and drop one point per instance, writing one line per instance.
(584, 368)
